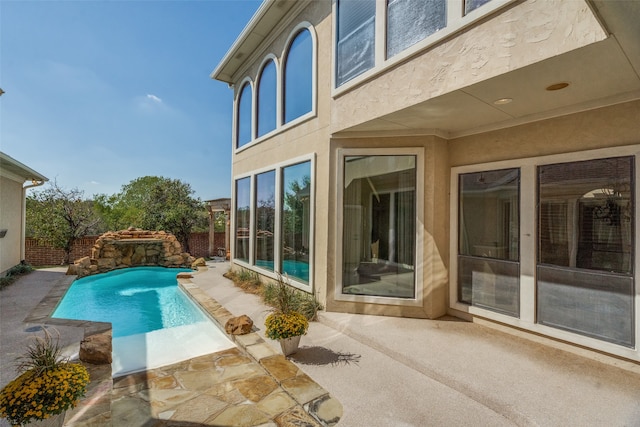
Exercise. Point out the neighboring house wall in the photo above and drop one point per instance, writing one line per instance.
(10, 220)
(40, 254)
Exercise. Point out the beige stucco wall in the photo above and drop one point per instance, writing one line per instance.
(10, 219)
(435, 225)
(523, 34)
(310, 137)
(612, 126)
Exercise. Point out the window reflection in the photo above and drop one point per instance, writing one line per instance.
(584, 276)
(296, 220)
(267, 99)
(489, 240)
(298, 77)
(243, 125)
(243, 216)
(356, 39)
(379, 226)
(585, 214)
(410, 21)
(265, 219)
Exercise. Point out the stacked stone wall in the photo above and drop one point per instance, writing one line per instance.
(132, 248)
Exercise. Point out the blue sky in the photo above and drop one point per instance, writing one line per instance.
(99, 93)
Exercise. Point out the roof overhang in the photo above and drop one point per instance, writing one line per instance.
(257, 30)
(13, 169)
(600, 74)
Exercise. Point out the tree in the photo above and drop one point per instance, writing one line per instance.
(59, 217)
(155, 203)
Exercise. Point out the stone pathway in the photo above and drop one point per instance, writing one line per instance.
(221, 389)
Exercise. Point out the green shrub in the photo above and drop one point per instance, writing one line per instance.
(285, 298)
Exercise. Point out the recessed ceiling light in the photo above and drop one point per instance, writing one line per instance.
(502, 101)
(557, 86)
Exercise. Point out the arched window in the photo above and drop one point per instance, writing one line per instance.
(243, 125)
(267, 99)
(298, 77)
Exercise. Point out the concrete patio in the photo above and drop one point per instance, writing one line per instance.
(386, 371)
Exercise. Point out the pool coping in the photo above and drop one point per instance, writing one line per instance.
(95, 407)
(313, 398)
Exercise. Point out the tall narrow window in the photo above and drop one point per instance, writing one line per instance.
(298, 77)
(265, 208)
(243, 123)
(489, 245)
(379, 226)
(267, 99)
(355, 39)
(410, 21)
(296, 221)
(243, 218)
(585, 242)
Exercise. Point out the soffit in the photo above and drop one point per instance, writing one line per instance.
(257, 30)
(10, 166)
(599, 74)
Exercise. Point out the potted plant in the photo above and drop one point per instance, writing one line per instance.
(285, 323)
(286, 328)
(48, 385)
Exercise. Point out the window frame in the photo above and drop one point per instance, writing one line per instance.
(341, 154)
(456, 22)
(278, 167)
(529, 247)
(280, 125)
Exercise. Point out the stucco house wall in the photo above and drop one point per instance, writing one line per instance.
(480, 94)
(13, 176)
(11, 221)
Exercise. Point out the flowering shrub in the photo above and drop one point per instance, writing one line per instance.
(48, 385)
(285, 325)
(33, 396)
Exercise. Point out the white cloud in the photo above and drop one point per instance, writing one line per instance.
(154, 98)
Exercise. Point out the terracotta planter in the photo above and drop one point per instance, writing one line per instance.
(290, 345)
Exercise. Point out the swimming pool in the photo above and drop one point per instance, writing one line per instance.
(153, 322)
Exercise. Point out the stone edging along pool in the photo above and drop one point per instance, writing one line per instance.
(95, 408)
(314, 399)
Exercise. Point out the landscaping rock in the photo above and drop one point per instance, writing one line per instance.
(96, 349)
(240, 325)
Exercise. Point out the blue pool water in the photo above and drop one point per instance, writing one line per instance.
(154, 323)
(295, 269)
(135, 300)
